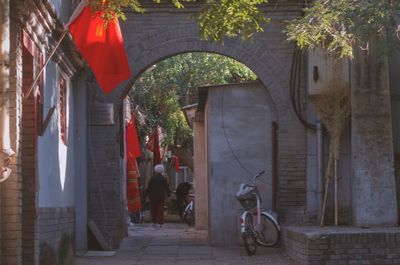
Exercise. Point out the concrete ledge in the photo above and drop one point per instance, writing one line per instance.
(312, 245)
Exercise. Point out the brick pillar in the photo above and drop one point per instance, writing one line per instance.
(11, 210)
(105, 201)
(200, 171)
(373, 184)
(4, 84)
(11, 224)
(29, 168)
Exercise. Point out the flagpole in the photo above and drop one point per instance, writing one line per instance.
(26, 96)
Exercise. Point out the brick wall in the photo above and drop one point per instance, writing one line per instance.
(18, 223)
(1, 234)
(56, 235)
(163, 32)
(11, 222)
(29, 166)
(106, 205)
(341, 245)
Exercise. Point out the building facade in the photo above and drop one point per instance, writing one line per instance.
(45, 126)
(68, 136)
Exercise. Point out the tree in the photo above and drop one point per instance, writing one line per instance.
(166, 87)
(362, 30)
(337, 25)
(340, 25)
(216, 19)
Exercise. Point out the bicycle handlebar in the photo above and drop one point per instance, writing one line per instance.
(258, 175)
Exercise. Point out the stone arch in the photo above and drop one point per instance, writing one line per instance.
(162, 32)
(169, 43)
(128, 87)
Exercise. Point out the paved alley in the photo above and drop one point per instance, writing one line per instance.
(178, 244)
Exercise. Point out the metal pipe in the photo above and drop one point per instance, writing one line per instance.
(320, 166)
(274, 164)
(336, 193)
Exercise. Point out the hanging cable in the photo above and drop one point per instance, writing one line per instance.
(226, 136)
(295, 88)
(229, 142)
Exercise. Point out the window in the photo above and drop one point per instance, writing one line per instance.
(32, 61)
(63, 110)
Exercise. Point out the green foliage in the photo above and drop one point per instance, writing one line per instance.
(115, 8)
(161, 107)
(164, 88)
(231, 18)
(339, 25)
(217, 19)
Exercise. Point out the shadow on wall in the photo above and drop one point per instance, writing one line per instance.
(63, 256)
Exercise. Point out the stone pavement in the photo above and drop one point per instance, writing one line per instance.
(177, 244)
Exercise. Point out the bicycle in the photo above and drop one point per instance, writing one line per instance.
(188, 213)
(257, 227)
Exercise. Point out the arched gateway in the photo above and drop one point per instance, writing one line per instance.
(162, 32)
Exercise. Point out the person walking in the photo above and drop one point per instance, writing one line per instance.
(157, 191)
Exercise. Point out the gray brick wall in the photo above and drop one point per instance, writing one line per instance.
(162, 32)
(56, 235)
(106, 205)
(342, 246)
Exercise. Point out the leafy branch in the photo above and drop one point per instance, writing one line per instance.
(340, 25)
(218, 18)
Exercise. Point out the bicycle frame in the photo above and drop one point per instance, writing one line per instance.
(189, 206)
(258, 219)
(257, 209)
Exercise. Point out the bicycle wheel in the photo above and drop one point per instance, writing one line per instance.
(248, 237)
(267, 232)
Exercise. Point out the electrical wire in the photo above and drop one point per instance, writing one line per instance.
(229, 142)
(226, 136)
(295, 86)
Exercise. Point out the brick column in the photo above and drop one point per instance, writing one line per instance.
(200, 171)
(11, 211)
(373, 184)
(105, 203)
(4, 84)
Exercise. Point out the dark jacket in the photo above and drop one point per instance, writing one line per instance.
(182, 191)
(157, 188)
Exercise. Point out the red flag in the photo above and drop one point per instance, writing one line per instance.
(175, 163)
(150, 143)
(132, 140)
(154, 146)
(132, 186)
(102, 47)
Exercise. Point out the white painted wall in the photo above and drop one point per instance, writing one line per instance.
(56, 160)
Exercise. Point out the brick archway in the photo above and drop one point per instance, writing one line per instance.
(162, 32)
(272, 71)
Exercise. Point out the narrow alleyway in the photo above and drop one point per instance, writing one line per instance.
(177, 244)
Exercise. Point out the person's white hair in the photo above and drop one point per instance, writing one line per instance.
(159, 169)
